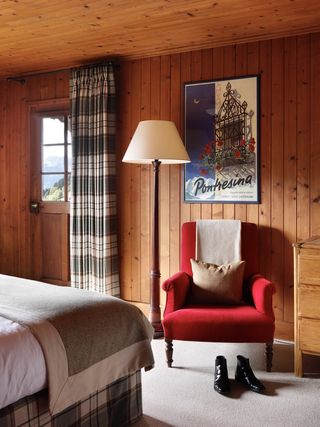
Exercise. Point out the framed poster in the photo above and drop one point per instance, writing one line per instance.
(222, 140)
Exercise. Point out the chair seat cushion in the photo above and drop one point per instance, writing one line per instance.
(218, 324)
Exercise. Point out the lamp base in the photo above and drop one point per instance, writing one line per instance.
(158, 330)
(155, 320)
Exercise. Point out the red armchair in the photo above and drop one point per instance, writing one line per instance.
(252, 322)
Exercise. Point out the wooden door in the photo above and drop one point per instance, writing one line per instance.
(50, 193)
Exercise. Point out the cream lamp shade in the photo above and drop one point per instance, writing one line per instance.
(156, 140)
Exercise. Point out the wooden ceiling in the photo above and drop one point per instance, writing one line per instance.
(44, 35)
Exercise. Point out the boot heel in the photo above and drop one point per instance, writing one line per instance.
(244, 375)
(221, 380)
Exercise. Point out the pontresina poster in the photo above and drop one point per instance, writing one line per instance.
(222, 140)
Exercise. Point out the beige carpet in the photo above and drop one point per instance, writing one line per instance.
(183, 396)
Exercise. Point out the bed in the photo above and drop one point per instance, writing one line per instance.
(69, 357)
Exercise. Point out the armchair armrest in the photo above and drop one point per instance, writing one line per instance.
(177, 288)
(261, 292)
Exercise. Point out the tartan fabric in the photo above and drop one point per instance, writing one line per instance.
(118, 404)
(94, 248)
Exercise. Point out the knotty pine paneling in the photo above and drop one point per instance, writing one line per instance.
(289, 158)
(152, 88)
(15, 152)
(14, 180)
(315, 135)
(145, 190)
(253, 68)
(185, 71)
(175, 175)
(276, 178)
(289, 170)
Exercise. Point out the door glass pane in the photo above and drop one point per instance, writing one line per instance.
(53, 130)
(56, 157)
(69, 187)
(53, 187)
(53, 158)
(69, 130)
(69, 158)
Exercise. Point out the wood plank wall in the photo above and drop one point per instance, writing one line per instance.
(290, 159)
(151, 88)
(15, 152)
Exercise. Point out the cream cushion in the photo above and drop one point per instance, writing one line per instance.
(217, 284)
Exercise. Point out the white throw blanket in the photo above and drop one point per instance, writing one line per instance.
(218, 241)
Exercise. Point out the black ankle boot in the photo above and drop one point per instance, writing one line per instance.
(221, 380)
(245, 375)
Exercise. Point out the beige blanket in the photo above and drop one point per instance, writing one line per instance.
(218, 241)
(88, 340)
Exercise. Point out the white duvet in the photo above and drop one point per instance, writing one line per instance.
(22, 365)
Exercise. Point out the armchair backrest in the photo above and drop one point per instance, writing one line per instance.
(249, 247)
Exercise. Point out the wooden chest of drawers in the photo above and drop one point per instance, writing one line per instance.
(306, 300)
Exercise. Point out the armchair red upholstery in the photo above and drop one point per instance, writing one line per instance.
(251, 322)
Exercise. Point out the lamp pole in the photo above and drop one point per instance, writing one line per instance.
(155, 313)
(156, 142)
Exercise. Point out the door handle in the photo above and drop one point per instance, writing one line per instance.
(34, 207)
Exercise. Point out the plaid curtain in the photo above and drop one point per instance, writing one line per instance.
(94, 250)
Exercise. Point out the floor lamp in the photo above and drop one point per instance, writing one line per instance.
(156, 142)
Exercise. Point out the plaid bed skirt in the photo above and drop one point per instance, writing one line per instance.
(118, 404)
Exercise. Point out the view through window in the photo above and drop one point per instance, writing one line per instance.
(55, 158)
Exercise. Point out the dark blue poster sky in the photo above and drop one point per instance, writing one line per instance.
(199, 110)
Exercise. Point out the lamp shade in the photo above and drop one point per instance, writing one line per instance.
(156, 140)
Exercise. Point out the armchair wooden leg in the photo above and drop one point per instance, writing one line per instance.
(169, 352)
(269, 355)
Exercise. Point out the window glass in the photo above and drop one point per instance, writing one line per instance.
(53, 158)
(69, 158)
(53, 130)
(69, 130)
(53, 188)
(69, 187)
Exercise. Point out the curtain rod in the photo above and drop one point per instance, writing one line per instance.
(22, 78)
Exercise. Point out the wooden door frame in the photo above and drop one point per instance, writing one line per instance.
(36, 110)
